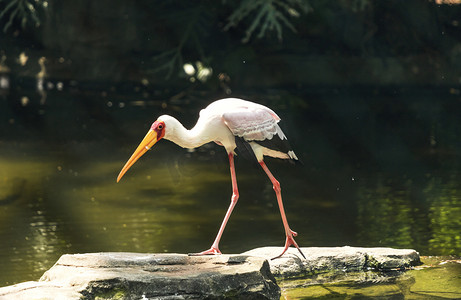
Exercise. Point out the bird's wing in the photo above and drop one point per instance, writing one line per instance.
(253, 124)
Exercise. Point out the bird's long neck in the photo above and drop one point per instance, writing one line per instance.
(185, 138)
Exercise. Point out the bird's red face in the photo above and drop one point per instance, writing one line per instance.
(155, 133)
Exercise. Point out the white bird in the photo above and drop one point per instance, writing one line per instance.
(232, 123)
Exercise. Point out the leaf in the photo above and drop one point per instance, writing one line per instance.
(10, 21)
(5, 10)
(271, 15)
(23, 10)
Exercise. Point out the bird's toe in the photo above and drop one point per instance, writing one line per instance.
(211, 251)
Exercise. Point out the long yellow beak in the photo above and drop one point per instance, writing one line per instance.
(149, 140)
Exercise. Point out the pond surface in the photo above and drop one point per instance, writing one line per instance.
(438, 278)
(379, 170)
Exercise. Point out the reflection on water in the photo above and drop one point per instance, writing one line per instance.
(374, 174)
(438, 278)
(445, 215)
(424, 216)
(30, 239)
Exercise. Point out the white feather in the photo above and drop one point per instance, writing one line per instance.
(224, 119)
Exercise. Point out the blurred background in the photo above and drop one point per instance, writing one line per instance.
(369, 93)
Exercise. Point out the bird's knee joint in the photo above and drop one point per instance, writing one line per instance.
(276, 186)
(234, 197)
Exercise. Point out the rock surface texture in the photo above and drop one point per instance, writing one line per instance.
(336, 259)
(150, 276)
(179, 276)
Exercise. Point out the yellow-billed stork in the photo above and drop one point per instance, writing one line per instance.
(232, 123)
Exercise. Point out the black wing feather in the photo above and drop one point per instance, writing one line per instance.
(244, 148)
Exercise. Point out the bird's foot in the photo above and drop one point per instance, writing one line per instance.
(211, 251)
(290, 241)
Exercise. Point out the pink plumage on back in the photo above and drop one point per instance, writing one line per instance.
(251, 124)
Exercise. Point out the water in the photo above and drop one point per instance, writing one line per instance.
(438, 278)
(378, 170)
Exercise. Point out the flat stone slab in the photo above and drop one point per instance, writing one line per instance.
(150, 276)
(335, 259)
(249, 275)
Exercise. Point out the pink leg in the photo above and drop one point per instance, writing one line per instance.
(235, 196)
(290, 234)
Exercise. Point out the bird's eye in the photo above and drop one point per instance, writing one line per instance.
(160, 126)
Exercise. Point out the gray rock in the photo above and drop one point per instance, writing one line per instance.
(39, 290)
(335, 259)
(151, 276)
(178, 276)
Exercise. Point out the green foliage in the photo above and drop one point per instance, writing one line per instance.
(270, 15)
(193, 25)
(23, 10)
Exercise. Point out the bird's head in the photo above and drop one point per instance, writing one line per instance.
(155, 133)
